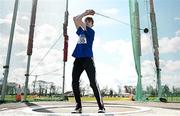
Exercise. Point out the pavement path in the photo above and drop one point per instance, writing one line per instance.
(116, 108)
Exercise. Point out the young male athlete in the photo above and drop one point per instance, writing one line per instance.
(83, 55)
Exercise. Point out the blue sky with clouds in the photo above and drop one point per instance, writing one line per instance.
(112, 46)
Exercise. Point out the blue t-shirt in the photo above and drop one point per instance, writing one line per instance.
(84, 44)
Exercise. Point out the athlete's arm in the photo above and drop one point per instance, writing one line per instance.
(78, 19)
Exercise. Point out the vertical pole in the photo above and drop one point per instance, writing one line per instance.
(136, 44)
(155, 46)
(6, 67)
(27, 78)
(63, 87)
(65, 44)
(30, 45)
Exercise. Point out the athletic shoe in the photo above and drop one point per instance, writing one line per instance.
(101, 110)
(77, 110)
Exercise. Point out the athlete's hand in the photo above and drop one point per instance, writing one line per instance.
(89, 12)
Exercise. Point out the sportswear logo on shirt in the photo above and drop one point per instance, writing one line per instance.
(82, 39)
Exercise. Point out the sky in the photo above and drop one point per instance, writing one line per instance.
(112, 45)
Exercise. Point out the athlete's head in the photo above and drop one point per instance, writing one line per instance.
(89, 21)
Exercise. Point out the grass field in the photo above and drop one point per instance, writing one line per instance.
(104, 98)
(31, 98)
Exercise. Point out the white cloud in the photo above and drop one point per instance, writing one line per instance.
(178, 33)
(26, 18)
(110, 16)
(111, 73)
(171, 80)
(171, 66)
(3, 41)
(169, 72)
(112, 46)
(119, 62)
(148, 73)
(169, 45)
(8, 20)
(20, 38)
(44, 38)
(18, 75)
(177, 18)
(1, 61)
(111, 11)
(146, 44)
(21, 54)
(45, 35)
(166, 44)
(167, 66)
(9, 16)
(147, 68)
(118, 46)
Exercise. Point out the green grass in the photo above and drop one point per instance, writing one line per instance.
(32, 98)
(173, 99)
(169, 99)
(104, 98)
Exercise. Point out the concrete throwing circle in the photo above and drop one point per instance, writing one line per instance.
(88, 110)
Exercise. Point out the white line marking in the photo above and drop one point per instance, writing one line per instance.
(3, 109)
(30, 110)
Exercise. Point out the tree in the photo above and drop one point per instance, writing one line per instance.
(110, 92)
(87, 89)
(119, 89)
(174, 90)
(150, 90)
(104, 91)
(129, 89)
(82, 87)
(166, 91)
(51, 89)
(57, 89)
(42, 87)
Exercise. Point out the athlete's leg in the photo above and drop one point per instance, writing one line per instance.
(77, 70)
(91, 72)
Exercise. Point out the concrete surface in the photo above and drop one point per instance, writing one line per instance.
(125, 108)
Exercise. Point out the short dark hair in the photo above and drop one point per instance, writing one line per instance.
(89, 19)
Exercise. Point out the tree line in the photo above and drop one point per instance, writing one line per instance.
(43, 88)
